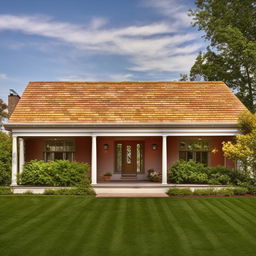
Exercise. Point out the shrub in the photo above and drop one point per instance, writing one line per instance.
(179, 192)
(57, 173)
(28, 192)
(219, 175)
(225, 192)
(205, 192)
(251, 190)
(5, 158)
(70, 191)
(5, 190)
(188, 172)
(240, 191)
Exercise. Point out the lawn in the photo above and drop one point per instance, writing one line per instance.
(66, 225)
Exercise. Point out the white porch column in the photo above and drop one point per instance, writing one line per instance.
(94, 160)
(14, 161)
(164, 160)
(21, 155)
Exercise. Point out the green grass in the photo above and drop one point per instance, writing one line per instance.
(68, 225)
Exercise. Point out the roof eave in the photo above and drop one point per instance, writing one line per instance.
(10, 126)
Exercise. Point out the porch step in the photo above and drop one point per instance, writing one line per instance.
(106, 195)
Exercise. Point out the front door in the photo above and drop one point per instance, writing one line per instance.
(129, 158)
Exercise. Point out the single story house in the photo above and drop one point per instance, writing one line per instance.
(124, 128)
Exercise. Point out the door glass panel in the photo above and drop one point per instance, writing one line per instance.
(128, 154)
(119, 157)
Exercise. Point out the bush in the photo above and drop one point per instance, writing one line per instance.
(5, 158)
(70, 191)
(205, 192)
(179, 192)
(188, 172)
(225, 192)
(5, 191)
(251, 190)
(240, 191)
(191, 172)
(57, 173)
(28, 192)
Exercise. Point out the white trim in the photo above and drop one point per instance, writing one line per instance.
(21, 155)
(14, 161)
(164, 160)
(124, 132)
(94, 161)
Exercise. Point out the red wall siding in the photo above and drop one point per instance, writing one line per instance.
(215, 143)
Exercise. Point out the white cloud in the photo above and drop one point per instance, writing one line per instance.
(157, 46)
(3, 76)
(172, 9)
(99, 77)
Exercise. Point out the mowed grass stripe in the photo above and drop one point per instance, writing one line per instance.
(176, 232)
(238, 210)
(119, 226)
(14, 213)
(218, 208)
(128, 226)
(78, 242)
(211, 238)
(62, 223)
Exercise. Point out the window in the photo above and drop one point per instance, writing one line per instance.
(197, 151)
(59, 150)
(139, 149)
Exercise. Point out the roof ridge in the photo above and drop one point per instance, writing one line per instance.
(141, 81)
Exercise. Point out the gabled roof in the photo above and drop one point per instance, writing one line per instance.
(127, 103)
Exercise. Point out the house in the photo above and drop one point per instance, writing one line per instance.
(124, 127)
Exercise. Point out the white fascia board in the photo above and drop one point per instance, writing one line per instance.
(123, 132)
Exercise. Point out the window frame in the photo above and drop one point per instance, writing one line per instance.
(194, 151)
(64, 151)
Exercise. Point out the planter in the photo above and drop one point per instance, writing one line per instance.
(106, 178)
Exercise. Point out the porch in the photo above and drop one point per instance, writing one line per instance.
(141, 150)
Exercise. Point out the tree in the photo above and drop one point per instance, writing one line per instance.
(5, 158)
(3, 113)
(244, 147)
(229, 26)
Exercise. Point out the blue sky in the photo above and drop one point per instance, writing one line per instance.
(95, 40)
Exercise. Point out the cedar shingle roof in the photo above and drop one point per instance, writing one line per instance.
(127, 102)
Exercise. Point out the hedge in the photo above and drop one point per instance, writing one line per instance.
(57, 173)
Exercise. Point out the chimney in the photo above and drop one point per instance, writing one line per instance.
(13, 100)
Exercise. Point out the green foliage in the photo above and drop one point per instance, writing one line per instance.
(205, 192)
(240, 191)
(251, 190)
(219, 175)
(70, 191)
(4, 190)
(225, 192)
(244, 147)
(179, 192)
(107, 174)
(191, 173)
(229, 26)
(3, 112)
(28, 192)
(188, 172)
(5, 158)
(57, 173)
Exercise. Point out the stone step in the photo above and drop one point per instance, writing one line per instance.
(107, 195)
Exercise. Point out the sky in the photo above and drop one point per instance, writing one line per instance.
(95, 40)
